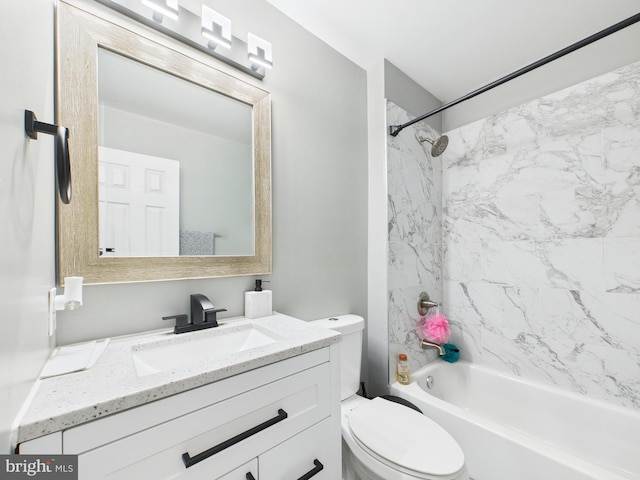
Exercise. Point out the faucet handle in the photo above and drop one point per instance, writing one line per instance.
(181, 321)
(425, 304)
(210, 315)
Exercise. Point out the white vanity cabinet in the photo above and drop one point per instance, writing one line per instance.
(277, 422)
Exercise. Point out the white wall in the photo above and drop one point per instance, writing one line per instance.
(319, 167)
(26, 202)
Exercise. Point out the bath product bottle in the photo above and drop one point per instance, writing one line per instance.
(258, 302)
(403, 373)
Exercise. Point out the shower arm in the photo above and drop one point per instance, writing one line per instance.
(396, 129)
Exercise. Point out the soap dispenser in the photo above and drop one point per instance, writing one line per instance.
(258, 302)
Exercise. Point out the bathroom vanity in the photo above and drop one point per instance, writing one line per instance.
(266, 409)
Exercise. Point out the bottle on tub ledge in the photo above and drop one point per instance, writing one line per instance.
(402, 370)
(257, 303)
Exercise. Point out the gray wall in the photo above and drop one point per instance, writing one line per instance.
(319, 194)
(319, 204)
(26, 202)
(400, 89)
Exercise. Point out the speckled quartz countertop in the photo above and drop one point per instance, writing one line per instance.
(112, 384)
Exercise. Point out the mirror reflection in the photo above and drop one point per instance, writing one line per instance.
(176, 173)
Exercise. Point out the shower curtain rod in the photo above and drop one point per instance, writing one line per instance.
(396, 129)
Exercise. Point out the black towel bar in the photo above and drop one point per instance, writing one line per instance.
(63, 165)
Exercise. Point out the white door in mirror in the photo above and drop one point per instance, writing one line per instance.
(139, 204)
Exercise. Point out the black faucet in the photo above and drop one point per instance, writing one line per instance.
(203, 315)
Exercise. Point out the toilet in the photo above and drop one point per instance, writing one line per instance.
(382, 439)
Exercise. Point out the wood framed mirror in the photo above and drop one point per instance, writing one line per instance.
(161, 114)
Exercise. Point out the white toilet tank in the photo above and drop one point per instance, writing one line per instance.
(350, 328)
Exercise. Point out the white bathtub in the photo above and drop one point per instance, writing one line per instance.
(514, 429)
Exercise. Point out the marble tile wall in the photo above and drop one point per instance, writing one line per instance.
(528, 229)
(414, 185)
(541, 239)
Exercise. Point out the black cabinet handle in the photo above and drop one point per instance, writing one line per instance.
(190, 461)
(249, 476)
(311, 473)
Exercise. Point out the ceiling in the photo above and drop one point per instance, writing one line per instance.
(451, 47)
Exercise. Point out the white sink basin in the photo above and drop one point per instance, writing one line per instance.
(192, 348)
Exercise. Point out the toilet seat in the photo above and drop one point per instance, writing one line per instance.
(405, 440)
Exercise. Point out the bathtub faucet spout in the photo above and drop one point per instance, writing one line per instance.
(426, 344)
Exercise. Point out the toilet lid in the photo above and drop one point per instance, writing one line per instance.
(405, 438)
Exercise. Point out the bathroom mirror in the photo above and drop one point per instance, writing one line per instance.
(166, 149)
(170, 157)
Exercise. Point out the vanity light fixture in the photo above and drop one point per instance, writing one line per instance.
(163, 8)
(260, 52)
(205, 32)
(216, 28)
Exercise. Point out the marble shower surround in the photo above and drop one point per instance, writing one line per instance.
(541, 238)
(414, 186)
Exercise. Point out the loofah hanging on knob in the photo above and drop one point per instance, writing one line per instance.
(435, 328)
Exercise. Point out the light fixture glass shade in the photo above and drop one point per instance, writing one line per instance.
(167, 8)
(216, 27)
(260, 51)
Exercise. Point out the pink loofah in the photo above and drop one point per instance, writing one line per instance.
(435, 328)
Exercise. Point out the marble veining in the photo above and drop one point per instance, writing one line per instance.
(414, 185)
(541, 238)
(112, 385)
(531, 239)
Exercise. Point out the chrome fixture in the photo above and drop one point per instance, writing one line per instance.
(425, 304)
(429, 381)
(63, 165)
(203, 315)
(437, 146)
(204, 33)
(426, 344)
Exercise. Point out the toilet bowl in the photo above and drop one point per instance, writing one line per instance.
(383, 440)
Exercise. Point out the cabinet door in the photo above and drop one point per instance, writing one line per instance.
(313, 454)
(218, 438)
(248, 471)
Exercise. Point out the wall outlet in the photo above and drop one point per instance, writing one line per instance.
(52, 311)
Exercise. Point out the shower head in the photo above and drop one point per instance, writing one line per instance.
(438, 146)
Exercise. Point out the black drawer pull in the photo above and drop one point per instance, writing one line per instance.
(249, 476)
(311, 473)
(190, 461)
